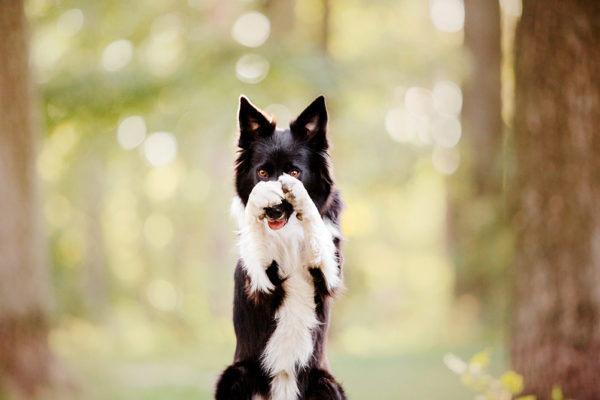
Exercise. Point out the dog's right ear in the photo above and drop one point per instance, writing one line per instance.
(253, 123)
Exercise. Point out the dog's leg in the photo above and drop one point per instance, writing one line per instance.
(253, 244)
(319, 238)
(322, 386)
(242, 381)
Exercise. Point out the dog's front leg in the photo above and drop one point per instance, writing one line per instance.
(319, 239)
(253, 244)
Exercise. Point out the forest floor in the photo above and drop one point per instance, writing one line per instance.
(418, 375)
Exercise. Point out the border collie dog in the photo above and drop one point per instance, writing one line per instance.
(290, 264)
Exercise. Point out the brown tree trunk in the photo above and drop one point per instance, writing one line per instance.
(281, 15)
(556, 320)
(482, 102)
(478, 245)
(25, 360)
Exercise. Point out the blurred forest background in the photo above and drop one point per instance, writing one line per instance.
(134, 120)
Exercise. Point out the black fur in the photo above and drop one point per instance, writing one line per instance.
(253, 315)
(277, 152)
(303, 147)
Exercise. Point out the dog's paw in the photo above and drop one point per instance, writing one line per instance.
(296, 194)
(259, 282)
(264, 194)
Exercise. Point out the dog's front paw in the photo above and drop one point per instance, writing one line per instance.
(296, 194)
(259, 282)
(264, 194)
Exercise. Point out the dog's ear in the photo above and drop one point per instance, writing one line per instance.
(311, 124)
(253, 123)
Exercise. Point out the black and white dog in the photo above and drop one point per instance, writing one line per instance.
(290, 263)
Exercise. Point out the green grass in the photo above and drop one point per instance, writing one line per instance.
(416, 375)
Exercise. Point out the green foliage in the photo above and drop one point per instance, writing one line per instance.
(475, 375)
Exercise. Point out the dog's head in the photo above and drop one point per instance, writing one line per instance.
(301, 151)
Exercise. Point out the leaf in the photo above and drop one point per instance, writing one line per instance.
(512, 382)
(528, 397)
(557, 393)
(482, 358)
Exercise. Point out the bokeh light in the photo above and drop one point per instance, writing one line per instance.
(160, 148)
(418, 100)
(447, 15)
(446, 131)
(162, 183)
(117, 55)
(447, 98)
(400, 125)
(252, 68)
(70, 22)
(163, 49)
(131, 132)
(251, 29)
(445, 159)
(162, 295)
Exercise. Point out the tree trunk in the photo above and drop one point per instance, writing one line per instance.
(478, 244)
(482, 102)
(25, 360)
(282, 18)
(556, 320)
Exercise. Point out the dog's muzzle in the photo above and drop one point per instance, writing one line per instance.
(277, 216)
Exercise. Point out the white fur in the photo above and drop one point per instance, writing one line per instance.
(253, 241)
(298, 246)
(321, 249)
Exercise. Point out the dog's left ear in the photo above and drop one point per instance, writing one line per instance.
(311, 125)
(253, 123)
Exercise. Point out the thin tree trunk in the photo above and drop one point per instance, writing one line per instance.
(479, 244)
(482, 102)
(25, 360)
(556, 321)
(281, 15)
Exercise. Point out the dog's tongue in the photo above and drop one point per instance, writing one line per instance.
(276, 224)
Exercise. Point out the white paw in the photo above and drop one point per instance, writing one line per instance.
(331, 273)
(264, 194)
(296, 194)
(259, 281)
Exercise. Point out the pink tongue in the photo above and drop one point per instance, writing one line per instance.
(276, 224)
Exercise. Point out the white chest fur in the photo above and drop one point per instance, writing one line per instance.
(290, 345)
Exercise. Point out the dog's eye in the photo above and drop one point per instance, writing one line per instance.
(294, 173)
(262, 173)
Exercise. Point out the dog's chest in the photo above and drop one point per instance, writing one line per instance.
(291, 344)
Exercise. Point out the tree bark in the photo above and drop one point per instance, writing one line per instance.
(25, 359)
(556, 319)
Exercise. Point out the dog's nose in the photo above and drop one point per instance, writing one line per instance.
(274, 212)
